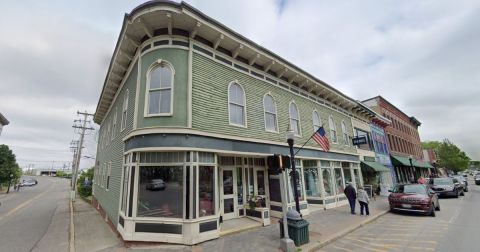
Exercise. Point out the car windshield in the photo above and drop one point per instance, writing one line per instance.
(442, 181)
(413, 189)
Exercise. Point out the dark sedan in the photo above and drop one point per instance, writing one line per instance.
(477, 179)
(447, 187)
(415, 198)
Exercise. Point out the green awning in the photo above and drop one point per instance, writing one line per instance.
(405, 161)
(422, 164)
(373, 166)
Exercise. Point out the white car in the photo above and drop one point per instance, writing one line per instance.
(28, 183)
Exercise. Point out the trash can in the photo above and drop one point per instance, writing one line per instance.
(297, 228)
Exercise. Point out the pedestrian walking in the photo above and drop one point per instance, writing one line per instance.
(18, 187)
(363, 200)
(351, 196)
(421, 180)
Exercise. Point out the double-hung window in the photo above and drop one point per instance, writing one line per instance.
(124, 110)
(345, 133)
(333, 129)
(236, 104)
(270, 110)
(317, 123)
(160, 89)
(114, 128)
(294, 118)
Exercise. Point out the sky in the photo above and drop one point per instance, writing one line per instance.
(422, 56)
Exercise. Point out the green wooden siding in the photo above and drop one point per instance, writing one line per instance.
(113, 152)
(210, 106)
(179, 59)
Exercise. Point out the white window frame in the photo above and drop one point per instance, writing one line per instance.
(333, 129)
(107, 178)
(107, 136)
(102, 168)
(159, 63)
(265, 113)
(298, 119)
(345, 134)
(244, 105)
(114, 127)
(315, 113)
(124, 111)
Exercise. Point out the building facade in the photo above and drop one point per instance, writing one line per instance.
(189, 112)
(3, 122)
(404, 141)
(382, 154)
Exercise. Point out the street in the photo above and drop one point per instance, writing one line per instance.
(36, 218)
(454, 229)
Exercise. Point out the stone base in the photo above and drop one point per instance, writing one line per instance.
(287, 245)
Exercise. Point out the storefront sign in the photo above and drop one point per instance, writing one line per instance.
(359, 140)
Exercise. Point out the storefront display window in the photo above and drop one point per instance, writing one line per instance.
(160, 192)
(357, 177)
(339, 182)
(206, 191)
(327, 181)
(125, 189)
(239, 186)
(312, 186)
(346, 172)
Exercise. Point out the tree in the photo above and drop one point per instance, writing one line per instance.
(431, 145)
(85, 188)
(8, 165)
(451, 157)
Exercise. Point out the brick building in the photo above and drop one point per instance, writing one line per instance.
(403, 139)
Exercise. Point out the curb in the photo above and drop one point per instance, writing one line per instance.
(72, 229)
(347, 231)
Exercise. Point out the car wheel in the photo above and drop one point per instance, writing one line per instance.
(437, 208)
(463, 193)
(456, 194)
(432, 212)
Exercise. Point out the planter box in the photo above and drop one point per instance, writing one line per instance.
(261, 214)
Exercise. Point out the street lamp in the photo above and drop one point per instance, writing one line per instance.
(9, 182)
(290, 135)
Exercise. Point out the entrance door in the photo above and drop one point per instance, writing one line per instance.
(228, 188)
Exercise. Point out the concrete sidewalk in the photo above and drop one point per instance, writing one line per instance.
(92, 233)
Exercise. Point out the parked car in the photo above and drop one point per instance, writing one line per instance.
(447, 187)
(28, 182)
(415, 198)
(462, 180)
(156, 184)
(477, 179)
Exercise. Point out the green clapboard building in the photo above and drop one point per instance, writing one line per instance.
(189, 112)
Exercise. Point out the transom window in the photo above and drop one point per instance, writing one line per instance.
(345, 134)
(270, 110)
(333, 129)
(294, 118)
(317, 123)
(160, 85)
(236, 104)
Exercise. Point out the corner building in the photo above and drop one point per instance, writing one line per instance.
(189, 112)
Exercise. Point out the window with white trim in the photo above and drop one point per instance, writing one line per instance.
(108, 133)
(333, 129)
(114, 127)
(160, 89)
(345, 134)
(124, 111)
(317, 123)
(109, 170)
(236, 104)
(102, 168)
(270, 111)
(294, 118)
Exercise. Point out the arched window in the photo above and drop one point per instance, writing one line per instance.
(333, 129)
(316, 121)
(159, 87)
(294, 118)
(345, 133)
(270, 111)
(236, 104)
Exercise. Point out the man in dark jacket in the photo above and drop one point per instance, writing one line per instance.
(351, 196)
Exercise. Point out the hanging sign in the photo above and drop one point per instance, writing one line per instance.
(359, 140)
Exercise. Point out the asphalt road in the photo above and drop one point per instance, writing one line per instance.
(36, 218)
(456, 228)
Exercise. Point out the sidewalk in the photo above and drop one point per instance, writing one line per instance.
(93, 234)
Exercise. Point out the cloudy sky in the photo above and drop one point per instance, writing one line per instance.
(423, 56)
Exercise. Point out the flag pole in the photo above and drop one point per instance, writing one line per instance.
(298, 150)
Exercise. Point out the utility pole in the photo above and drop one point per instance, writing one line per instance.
(82, 125)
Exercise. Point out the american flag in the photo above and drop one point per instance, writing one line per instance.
(321, 139)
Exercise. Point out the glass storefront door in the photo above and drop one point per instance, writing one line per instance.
(228, 194)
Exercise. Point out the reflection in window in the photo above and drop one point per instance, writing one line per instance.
(327, 182)
(357, 177)
(311, 182)
(239, 186)
(339, 183)
(160, 81)
(261, 182)
(160, 192)
(346, 172)
(206, 191)
(299, 186)
(125, 189)
(270, 111)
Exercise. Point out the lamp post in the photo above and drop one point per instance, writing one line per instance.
(290, 140)
(411, 166)
(9, 182)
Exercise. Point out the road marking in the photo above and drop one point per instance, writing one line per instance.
(25, 203)
(374, 244)
(344, 249)
(401, 240)
(372, 249)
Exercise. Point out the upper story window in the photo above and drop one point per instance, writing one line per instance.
(270, 110)
(317, 123)
(369, 144)
(160, 89)
(294, 118)
(236, 104)
(114, 128)
(345, 133)
(333, 129)
(124, 111)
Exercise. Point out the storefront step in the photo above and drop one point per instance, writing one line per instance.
(238, 225)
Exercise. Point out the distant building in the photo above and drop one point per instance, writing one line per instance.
(3, 122)
(404, 141)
